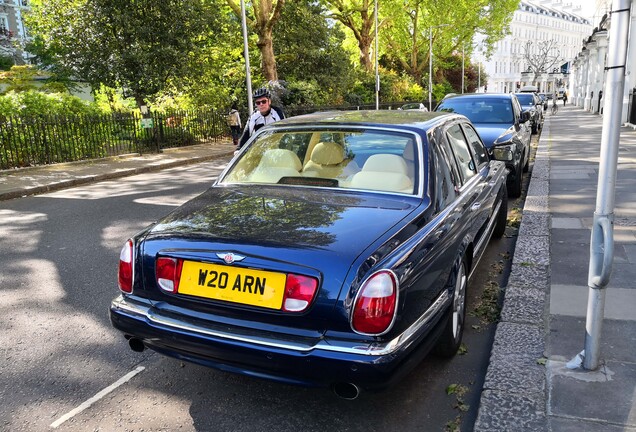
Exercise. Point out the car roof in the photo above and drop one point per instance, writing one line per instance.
(524, 95)
(394, 118)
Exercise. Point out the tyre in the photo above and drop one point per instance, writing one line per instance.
(451, 337)
(535, 129)
(526, 166)
(502, 215)
(515, 186)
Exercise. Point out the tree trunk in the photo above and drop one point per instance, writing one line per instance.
(266, 46)
(364, 43)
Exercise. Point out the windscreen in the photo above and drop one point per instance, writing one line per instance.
(366, 159)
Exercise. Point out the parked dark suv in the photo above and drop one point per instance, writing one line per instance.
(503, 126)
(532, 103)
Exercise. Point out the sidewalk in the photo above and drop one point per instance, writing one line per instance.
(528, 386)
(40, 179)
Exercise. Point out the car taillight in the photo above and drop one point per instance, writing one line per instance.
(299, 292)
(125, 273)
(169, 273)
(375, 305)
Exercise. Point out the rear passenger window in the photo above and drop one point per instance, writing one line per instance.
(479, 151)
(444, 183)
(462, 153)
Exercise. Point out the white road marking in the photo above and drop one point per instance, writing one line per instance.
(97, 397)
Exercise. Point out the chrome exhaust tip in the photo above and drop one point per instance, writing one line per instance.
(348, 391)
(136, 345)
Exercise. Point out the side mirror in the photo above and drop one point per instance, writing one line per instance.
(525, 116)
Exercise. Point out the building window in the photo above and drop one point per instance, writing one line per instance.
(4, 22)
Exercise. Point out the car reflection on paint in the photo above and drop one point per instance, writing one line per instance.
(334, 250)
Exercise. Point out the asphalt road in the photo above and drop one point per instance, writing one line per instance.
(62, 364)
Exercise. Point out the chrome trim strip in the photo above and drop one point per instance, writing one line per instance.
(488, 232)
(373, 349)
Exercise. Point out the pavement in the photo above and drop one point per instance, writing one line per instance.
(528, 385)
(41, 179)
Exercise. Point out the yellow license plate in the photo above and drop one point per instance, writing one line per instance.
(238, 285)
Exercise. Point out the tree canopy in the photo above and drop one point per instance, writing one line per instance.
(136, 45)
(149, 48)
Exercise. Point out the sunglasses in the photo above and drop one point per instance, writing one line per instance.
(261, 102)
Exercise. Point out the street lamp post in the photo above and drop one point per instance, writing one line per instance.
(479, 78)
(430, 64)
(462, 68)
(246, 54)
(430, 68)
(377, 72)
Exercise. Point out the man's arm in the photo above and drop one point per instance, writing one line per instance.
(245, 137)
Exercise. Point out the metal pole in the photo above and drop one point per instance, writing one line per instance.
(430, 68)
(479, 79)
(462, 68)
(246, 54)
(377, 75)
(602, 239)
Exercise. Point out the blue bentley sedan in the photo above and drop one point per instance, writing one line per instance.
(503, 125)
(334, 250)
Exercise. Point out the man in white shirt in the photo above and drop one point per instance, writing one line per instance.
(264, 114)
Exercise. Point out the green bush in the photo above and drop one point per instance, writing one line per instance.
(33, 102)
(6, 62)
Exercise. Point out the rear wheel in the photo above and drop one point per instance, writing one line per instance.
(502, 215)
(451, 337)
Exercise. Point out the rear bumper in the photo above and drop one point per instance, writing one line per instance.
(319, 362)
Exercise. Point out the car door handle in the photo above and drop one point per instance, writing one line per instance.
(475, 206)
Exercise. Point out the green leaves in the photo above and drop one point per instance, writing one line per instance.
(135, 45)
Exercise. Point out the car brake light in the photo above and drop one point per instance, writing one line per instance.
(375, 305)
(169, 273)
(299, 292)
(125, 273)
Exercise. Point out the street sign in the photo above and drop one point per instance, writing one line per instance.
(146, 123)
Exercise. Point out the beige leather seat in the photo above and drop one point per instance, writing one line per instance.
(328, 160)
(384, 172)
(275, 164)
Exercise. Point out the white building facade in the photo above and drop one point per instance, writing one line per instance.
(12, 29)
(589, 70)
(544, 36)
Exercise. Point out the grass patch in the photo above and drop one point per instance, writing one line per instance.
(488, 309)
(514, 217)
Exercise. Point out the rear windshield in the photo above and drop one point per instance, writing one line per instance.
(377, 160)
(478, 110)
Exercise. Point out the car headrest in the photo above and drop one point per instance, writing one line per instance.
(386, 163)
(281, 158)
(327, 153)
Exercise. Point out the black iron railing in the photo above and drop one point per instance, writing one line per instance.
(44, 139)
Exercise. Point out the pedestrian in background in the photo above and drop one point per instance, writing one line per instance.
(565, 97)
(234, 122)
